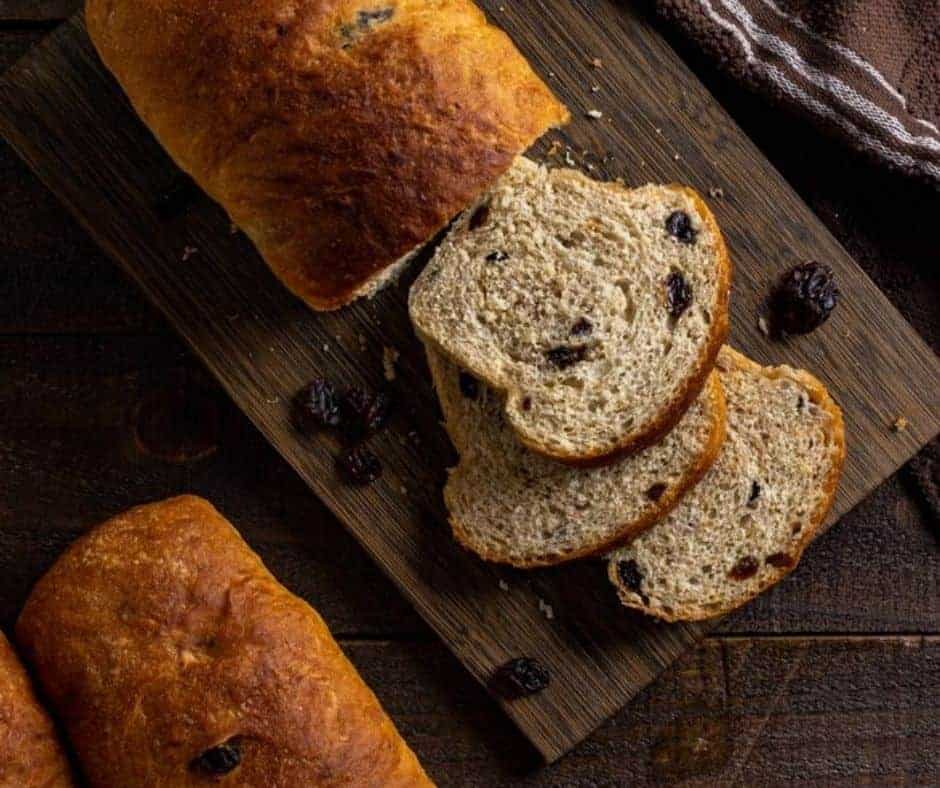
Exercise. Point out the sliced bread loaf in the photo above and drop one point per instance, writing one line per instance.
(745, 525)
(512, 506)
(598, 310)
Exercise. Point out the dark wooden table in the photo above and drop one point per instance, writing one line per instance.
(831, 678)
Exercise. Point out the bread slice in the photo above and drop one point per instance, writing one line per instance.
(555, 290)
(746, 524)
(512, 506)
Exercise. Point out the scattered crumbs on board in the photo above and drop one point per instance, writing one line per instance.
(595, 113)
(547, 610)
(503, 585)
(763, 325)
(597, 62)
(189, 251)
(716, 192)
(389, 357)
(900, 424)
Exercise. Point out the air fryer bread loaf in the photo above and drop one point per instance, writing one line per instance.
(556, 291)
(510, 505)
(160, 635)
(338, 134)
(746, 524)
(30, 753)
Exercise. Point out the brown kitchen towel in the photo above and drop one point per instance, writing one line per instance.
(867, 70)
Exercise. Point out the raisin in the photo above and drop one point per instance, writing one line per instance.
(359, 465)
(804, 299)
(655, 492)
(176, 199)
(365, 412)
(632, 578)
(679, 226)
(753, 495)
(780, 560)
(479, 217)
(318, 405)
(678, 294)
(497, 257)
(218, 760)
(744, 568)
(527, 403)
(520, 677)
(564, 357)
(469, 386)
(582, 327)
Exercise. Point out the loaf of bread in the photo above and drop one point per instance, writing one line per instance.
(598, 310)
(340, 135)
(173, 658)
(30, 753)
(746, 524)
(510, 505)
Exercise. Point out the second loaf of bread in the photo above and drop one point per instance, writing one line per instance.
(160, 636)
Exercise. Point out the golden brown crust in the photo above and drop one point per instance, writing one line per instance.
(674, 410)
(338, 134)
(818, 395)
(717, 407)
(160, 634)
(30, 753)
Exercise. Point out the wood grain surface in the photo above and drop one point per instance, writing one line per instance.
(596, 657)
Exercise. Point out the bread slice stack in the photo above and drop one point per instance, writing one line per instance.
(574, 332)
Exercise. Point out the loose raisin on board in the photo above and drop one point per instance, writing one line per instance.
(469, 385)
(564, 356)
(780, 560)
(582, 327)
(318, 405)
(804, 299)
(365, 412)
(520, 678)
(632, 578)
(655, 492)
(744, 568)
(359, 465)
(497, 257)
(678, 294)
(218, 760)
(679, 226)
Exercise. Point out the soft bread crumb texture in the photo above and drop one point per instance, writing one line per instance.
(160, 634)
(554, 291)
(510, 505)
(746, 524)
(339, 135)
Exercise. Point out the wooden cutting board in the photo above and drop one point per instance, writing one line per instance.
(64, 114)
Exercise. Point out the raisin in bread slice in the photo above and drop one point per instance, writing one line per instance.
(512, 506)
(598, 310)
(746, 524)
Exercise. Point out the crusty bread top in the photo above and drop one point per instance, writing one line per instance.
(556, 291)
(160, 634)
(746, 524)
(338, 134)
(30, 753)
(512, 506)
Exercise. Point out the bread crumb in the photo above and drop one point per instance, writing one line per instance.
(595, 113)
(326, 348)
(716, 192)
(189, 251)
(675, 157)
(363, 344)
(389, 357)
(402, 489)
(595, 88)
(551, 74)
(503, 585)
(547, 610)
(763, 325)
(597, 63)
(569, 160)
(899, 424)
(233, 229)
